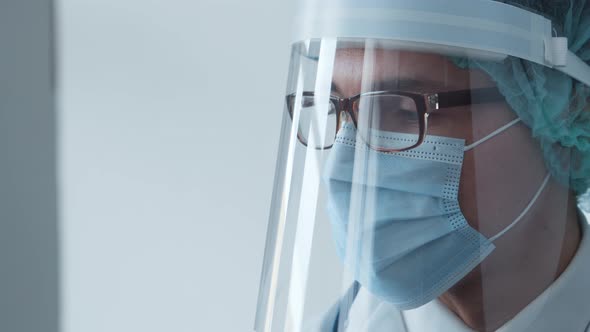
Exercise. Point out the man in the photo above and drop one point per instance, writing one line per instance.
(448, 171)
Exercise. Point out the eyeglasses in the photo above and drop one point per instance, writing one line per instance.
(376, 112)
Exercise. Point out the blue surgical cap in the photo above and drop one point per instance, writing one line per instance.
(555, 106)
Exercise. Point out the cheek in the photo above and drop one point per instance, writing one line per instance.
(452, 122)
(499, 175)
(468, 191)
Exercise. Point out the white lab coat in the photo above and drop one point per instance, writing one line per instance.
(564, 306)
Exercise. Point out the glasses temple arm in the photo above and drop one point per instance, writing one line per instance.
(469, 97)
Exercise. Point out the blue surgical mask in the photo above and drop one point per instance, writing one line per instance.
(410, 240)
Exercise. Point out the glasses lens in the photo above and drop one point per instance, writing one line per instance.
(387, 121)
(317, 120)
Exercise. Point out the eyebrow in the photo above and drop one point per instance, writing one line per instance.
(404, 83)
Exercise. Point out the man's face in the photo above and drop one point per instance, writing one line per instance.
(492, 161)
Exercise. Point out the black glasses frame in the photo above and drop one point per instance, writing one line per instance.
(426, 104)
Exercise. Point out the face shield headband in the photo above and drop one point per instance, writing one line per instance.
(481, 29)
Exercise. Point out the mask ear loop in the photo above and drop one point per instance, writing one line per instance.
(494, 133)
(525, 211)
(535, 197)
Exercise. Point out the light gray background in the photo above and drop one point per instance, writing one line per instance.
(169, 121)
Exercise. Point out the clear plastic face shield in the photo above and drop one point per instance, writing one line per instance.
(431, 173)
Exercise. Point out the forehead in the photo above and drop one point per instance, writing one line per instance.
(358, 70)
